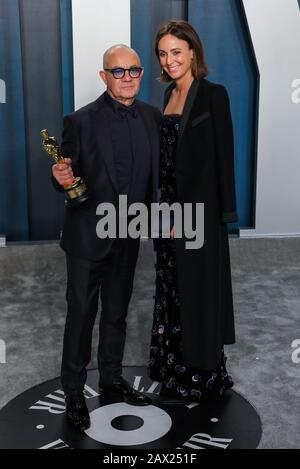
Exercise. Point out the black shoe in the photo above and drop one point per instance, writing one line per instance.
(109, 396)
(77, 412)
(129, 395)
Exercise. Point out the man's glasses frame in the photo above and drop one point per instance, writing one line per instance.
(118, 72)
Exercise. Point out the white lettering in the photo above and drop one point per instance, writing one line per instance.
(90, 393)
(137, 386)
(296, 92)
(199, 439)
(107, 226)
(197, 234)
(138, 227)
(296, 353)
(192, 406)
(58, 444)
(2, 351)
(58, 406)
(163, 212)
(161, 221)
(50, 407)
(2, 92)
(112, 459)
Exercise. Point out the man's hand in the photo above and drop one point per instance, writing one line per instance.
(63, 173)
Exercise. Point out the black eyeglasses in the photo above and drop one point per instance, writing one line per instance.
(118, 73)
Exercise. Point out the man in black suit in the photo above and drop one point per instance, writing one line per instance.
(113, 144)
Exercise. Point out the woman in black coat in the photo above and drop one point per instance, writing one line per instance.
(193, 315)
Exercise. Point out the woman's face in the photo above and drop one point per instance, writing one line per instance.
(175, 57)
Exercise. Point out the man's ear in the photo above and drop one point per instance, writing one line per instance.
(102, 75)
(142, 74)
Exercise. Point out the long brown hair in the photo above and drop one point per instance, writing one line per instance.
(183, 30)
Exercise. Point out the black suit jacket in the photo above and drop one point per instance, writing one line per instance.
(87, 141)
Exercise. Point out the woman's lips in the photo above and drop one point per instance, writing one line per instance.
(173, 69)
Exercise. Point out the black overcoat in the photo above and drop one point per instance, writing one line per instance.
(205, 174)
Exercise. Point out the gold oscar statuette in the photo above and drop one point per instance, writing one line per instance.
(76, 192)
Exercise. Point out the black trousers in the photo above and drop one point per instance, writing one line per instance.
(114, 275)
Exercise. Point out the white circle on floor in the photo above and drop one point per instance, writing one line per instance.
(157, 423)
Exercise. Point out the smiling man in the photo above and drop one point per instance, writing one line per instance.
(113, 144)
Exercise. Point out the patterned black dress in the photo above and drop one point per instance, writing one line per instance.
(166, 365)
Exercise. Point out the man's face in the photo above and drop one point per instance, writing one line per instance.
(122, 89)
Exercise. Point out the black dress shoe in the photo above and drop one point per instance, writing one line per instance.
(129, 395)
(77, 412)
(110, 396)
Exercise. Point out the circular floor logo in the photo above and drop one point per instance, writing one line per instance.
(36, 420)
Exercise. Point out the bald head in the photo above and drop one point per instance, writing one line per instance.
(126, 88)
(117, 51)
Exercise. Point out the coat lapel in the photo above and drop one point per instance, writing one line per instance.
(187, 109)
(103, 139)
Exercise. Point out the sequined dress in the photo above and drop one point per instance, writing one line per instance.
(166, 365)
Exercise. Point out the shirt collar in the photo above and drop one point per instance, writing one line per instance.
(116, 105)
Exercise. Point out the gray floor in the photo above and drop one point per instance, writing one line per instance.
(266, 280)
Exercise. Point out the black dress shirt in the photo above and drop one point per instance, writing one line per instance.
(131, 147)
